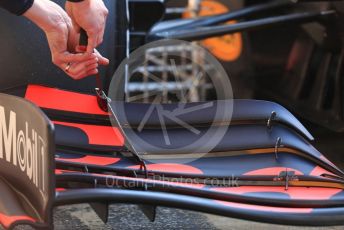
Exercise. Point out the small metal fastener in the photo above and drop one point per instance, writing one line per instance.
(143, 167)
(287, 176)
(102, 99)
(286, 179)
(277, 146)
(271, 119)
(86, 168)
(95, 183)
(99, 92)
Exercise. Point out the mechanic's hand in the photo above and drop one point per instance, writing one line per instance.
(57, 25)
(91, 16)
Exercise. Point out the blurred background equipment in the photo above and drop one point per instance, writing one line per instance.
(179, 70)
(231, 50)
(305, 74)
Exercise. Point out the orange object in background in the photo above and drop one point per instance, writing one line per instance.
(228, 47)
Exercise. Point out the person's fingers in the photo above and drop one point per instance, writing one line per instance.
(92, 66)
(75, 70)
(92, 42)
(91, 62)
(101, 60)
(68, 69)
(79, 68)
(85, 74)
(92, 72)
(67, 57)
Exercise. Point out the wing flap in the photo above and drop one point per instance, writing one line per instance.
(261, 213)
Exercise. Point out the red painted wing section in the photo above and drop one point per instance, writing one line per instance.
(52, 98)
(171, 168)
(271, 171)
(101, 161)
(303, 193)
(7, 221)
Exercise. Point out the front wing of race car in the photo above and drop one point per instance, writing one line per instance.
(294, 186)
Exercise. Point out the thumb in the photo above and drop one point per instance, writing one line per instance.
(101, 60)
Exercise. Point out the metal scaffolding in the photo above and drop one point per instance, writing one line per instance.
(175, 73)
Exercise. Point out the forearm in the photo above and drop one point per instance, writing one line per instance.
(46, 15)
(17, 7)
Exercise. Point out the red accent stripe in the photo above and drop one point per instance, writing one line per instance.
(93, 160)
(58, 171)
(97, 134)
(52, 98)
(271, 171)
(171, 168)
(303, 193)
(7, 221)
(61, 171)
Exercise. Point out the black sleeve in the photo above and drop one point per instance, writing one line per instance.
(17, 7)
